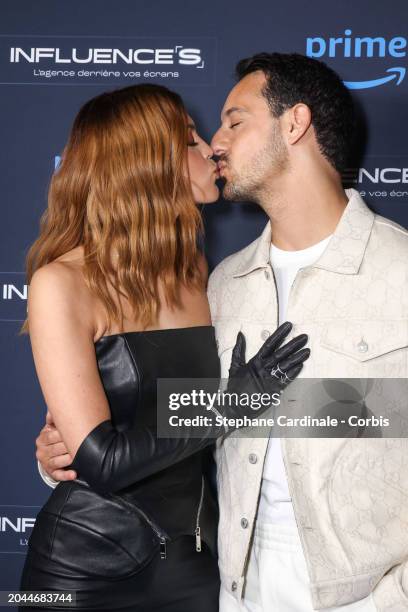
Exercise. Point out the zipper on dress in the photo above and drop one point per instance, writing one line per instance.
(198, 528)
(163, 548)
(135, 510)
(158, 532)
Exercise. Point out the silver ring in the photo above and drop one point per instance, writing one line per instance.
(276, 371)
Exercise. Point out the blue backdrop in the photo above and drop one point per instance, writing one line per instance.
(55, 55)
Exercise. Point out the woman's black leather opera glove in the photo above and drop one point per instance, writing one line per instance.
(271, 369)
(110, 460)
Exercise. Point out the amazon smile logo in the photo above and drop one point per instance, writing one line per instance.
(348, 46)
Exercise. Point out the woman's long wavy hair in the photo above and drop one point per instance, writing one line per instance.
(123, 186)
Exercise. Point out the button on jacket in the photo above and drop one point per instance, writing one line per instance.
(350, 496)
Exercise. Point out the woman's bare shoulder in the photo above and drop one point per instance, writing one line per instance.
(61, 282)
(59, 275)
(64, 272)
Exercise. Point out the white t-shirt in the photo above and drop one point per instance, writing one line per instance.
(275, 504)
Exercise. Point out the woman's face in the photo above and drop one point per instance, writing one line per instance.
(203, 170)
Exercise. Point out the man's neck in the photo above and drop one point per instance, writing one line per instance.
(303, 213)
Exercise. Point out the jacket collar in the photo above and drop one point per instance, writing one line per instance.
(344, 252)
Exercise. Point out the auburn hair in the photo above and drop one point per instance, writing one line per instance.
(123, 184)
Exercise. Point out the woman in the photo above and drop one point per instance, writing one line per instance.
(117, 299)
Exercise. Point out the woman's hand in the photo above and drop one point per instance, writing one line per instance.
(273, 360)
(52, 453)
(272, 369)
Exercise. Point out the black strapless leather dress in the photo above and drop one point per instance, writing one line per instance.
(135, 549)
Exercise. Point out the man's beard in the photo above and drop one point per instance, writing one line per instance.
(249, 183)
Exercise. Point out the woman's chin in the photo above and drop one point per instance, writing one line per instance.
(211, 197)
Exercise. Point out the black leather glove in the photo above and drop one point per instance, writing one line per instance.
(272, 368)
(268, 372)
(110, 460)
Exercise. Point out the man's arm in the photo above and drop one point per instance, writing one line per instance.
(47, 479)
(52, 455)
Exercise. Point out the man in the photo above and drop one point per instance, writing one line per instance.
(308, 523)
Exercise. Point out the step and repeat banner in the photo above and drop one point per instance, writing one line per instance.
(55, 55)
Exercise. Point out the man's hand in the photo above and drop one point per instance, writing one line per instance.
(52, 452)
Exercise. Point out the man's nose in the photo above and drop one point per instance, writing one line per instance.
(218, 143)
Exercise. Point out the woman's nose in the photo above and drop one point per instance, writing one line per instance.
(208, 151)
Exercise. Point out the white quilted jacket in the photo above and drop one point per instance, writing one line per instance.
(350, 496)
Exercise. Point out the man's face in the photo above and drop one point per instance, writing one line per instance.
(249, 141)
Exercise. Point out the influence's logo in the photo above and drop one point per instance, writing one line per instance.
(176, 55)
(56, 60)
(358, 47)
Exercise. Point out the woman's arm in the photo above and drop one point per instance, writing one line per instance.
(61, 333)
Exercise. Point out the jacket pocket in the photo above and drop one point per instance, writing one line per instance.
(372, 348)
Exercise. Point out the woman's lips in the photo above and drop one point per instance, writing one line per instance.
(221, 167)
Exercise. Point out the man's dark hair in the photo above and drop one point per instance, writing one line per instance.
(292, 78)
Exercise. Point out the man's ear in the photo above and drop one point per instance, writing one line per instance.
(296, 122)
